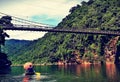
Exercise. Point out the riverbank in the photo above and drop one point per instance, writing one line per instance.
(61, 63)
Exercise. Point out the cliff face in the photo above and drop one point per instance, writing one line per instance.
(111, 49)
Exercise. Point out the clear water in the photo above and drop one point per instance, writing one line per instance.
(66, 73)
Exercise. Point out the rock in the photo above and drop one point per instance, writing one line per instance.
(111, 49)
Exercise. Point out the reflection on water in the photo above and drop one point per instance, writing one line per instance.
(111, 73)
(66, 73)
(88, 71)
(26, 78)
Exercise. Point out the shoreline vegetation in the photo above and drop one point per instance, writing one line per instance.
(62, 63)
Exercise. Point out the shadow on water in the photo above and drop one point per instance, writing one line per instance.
(6, 70)
(5, 75)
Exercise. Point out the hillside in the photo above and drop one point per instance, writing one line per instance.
(13, 46)
(54, 47)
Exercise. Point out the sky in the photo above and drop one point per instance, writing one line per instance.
(49, 12)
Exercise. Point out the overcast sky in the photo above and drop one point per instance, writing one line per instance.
(43, 11)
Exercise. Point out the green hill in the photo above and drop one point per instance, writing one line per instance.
(15, 47)
(54, 47)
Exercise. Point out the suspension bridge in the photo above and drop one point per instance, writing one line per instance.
(27, 25)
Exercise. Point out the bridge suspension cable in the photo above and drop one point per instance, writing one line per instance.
(24, 21)
(34, 27)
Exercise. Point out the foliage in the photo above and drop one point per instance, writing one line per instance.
(94, 14)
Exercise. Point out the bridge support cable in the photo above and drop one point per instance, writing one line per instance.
(24, 21)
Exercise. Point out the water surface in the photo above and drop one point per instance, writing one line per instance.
(66, 73)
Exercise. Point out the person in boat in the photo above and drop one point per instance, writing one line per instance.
(30, 70)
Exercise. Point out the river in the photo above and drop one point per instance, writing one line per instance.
(66, 73)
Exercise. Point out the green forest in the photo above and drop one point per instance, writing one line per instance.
(71, 47)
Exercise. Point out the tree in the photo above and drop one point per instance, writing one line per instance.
(2, 37)
(7, 21)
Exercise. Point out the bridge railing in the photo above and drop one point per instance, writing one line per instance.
(48, 29)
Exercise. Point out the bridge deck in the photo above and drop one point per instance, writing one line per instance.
(81, 31)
